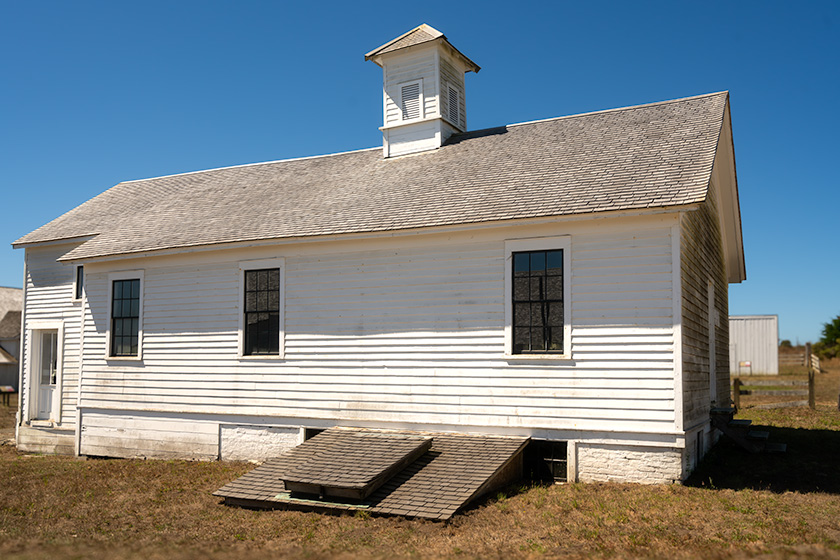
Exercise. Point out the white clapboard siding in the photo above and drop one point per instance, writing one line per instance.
(412, 335)
(49, 293)
(450, 75)
(115, 433)
(409, 68)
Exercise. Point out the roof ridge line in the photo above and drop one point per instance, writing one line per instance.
(406, 34)
(616, 109)
(248, 165)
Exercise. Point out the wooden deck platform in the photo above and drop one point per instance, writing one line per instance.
(451, 472)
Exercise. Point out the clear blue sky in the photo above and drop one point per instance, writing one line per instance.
(94, 93)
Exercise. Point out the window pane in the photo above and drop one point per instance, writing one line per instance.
(554, 287)
(520, 264)
(556, 339)
(262, 303)
(537, 291)
(125, 313)
(521, 315)
(520, 289)
(251, 301)
(80, 281)
(521, 337)
(555, 314)
(538, 305)
(555, 262)
(537, 314)
(274, 279)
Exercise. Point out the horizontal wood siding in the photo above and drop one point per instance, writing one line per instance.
(702, 261)
(449, 74)
(410, 68)
(406, 335)
(125, 434)
(49, 293)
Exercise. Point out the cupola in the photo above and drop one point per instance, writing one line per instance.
(423, 90)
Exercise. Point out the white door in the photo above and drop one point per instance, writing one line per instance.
(46, 372)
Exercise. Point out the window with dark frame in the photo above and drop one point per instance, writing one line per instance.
(125, 317)
(546, 461)
(538, 302)
(80, 282)
(262, 312)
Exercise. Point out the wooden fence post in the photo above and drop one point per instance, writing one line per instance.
(808, 355)
(811, 400)
(736, 393)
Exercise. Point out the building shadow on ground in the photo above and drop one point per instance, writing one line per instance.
(810, 464)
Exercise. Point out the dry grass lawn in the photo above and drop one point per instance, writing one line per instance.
(737, 505)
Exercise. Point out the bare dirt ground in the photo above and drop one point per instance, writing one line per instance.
(736, 505)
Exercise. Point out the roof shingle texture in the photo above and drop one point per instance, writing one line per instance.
(434, 486)
(10, 324)
(651, 156)
(414, 37)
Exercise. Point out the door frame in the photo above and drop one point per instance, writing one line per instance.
(33, 357)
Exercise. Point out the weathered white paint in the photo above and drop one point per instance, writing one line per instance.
(615, 463)
(256, 443)
(49, 304)
(434, 68)
(403, 335)
(754, 339)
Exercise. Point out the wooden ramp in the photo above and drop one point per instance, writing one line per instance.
(415, 474)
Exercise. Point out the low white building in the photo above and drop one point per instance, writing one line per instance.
(563, 279)
(11, 305)
(754, 345)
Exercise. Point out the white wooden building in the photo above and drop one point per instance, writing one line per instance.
(11, 305)
(563, 279)
(754, 344)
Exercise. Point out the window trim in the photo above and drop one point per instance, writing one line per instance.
(279, 263)
(563, 242)
(125, 275)
(422, 101)
(78, 295)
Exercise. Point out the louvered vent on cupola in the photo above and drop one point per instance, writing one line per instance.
(411, 101)
(453, 106)
(423, 83)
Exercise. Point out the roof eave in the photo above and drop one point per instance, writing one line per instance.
(737, 267)
(446, 228)
(439, 37)
(21, 244)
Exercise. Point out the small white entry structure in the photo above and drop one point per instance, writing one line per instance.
(754, 344)
(564, 280)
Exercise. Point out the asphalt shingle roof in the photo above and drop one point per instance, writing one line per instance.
(10, 324)
(417, 36)
(649, 156)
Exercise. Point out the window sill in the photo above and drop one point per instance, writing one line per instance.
(261, 358)
(538, 357)
(124, 359)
